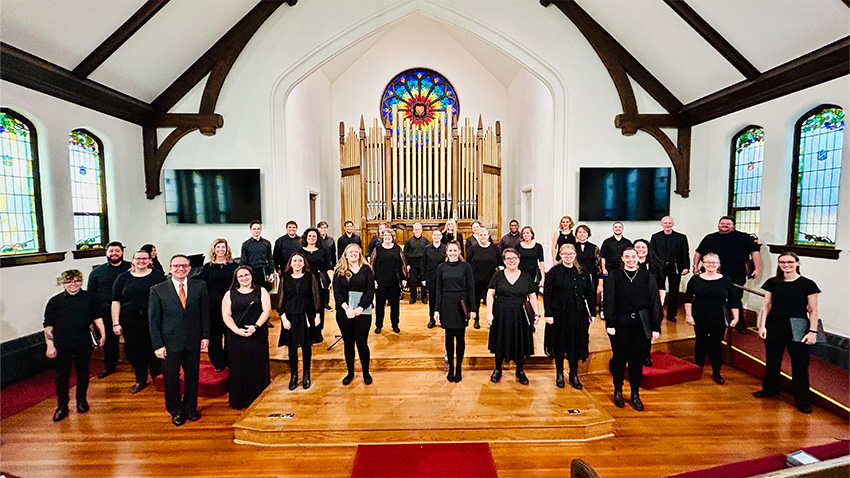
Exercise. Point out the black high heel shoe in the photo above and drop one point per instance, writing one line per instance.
(574, 381)
(306, 382)
(559, 380)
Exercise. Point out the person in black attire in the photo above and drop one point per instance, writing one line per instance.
(413, 250)
(328, 241)
(510, 327)
(672, 248)
(632, 311)
(375, 240)
(612, 249)
(648, 261)
(257, 254)
(67, 320)
(249, 344)
(348, 238)
(588, 257)
(451, 233)
(298, 307)
(390, 274)
(569, 302)
(788, 296)
(706, 297)
(735, 248)
(473, 238)
(320, 261)
(511, 239)
(285, 245)
(531, 256)
(434, 255)
(455, 294)
(353, 316)
(485, 260)
(100, 283)
(218, 275)
(151, 249)
(129, 312)
(564, 235)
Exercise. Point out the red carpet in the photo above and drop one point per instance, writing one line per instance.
(19, 396)
(458, 460)
(211, 384)
(667, 370)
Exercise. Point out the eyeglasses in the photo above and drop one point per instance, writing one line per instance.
(511, 258)
(243, 276)
(181, 266)
(569, 254)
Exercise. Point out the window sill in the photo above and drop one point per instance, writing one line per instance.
(807, 251)
(27, 259)
(86, 253)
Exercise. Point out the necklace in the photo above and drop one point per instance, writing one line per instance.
(632, 278)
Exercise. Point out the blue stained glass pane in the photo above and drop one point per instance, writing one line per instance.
(420, 94)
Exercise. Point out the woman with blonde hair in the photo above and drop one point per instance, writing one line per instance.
(354, 289)
(218, 275)
(390, 267)
(564, 235)
(451, 233)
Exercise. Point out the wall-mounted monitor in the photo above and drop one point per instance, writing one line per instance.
(624, 194)
(212, 196)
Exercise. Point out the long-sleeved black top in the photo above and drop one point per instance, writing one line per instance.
(565, 287)
(284, 247)
(431, 259)
(672, 249)
(454, 236)
(100, 283)
(363, 281)
(219, 278)
(629, 292)
(389, 265)
(343, 242)
(133, 292)
(484, 261)
(330, 245)
(509, 240)
(257, 254)
(415, 247)
(612, 252)
(70, 316)
(454, 277)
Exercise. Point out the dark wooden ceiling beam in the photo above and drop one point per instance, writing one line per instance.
(591, 29)
(37, 74)
(235, 38)
(631, 123)
(182, 120)
(118, 37)
(822, 65)
(714, 38)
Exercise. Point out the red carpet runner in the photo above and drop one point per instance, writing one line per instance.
(420, 460)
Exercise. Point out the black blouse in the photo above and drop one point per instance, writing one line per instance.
(388, 264)
(529, 260)
(133, 292)
(70, 316)
(363, 281)
(484, 260)
(709, 296)
(455, 277)
(219, 278)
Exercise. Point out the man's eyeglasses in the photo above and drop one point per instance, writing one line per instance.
(181, 266)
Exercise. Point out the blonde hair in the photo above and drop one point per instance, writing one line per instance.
(69, 275)
(342, 268)
(560, 260)
(446, 227)
(228, 256)
(568, 218)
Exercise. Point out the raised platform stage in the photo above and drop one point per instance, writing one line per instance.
(411, 400)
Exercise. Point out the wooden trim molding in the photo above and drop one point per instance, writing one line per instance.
(808, 251)
(679, 154)
(26, 259)
(87, 253)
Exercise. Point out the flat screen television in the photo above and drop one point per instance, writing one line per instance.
(212, 196)
(624, 194)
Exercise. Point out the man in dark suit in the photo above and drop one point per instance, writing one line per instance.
(179, 316)
(348, 238)
(672, 248)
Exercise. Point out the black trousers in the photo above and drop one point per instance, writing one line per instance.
(774, 346)
(414, 282)
(110, 347)
(674, 279)
(559, 353)
(383, 294)
(306, 355)
(431, 285)
(218, 337)
(190, 361)
(139, 350)
(355, 333)
(480, 294)
(455, 341)
(708, 341)
(629, 347)
(80, 357)
(742, 324)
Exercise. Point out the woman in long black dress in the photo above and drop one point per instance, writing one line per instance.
(510, 328)
(390, 268)
(485, 259)
(788, 296)
(218, 274)
(455, 294)
(569, 302)
(588, 257)
(248, 346)
(354, 289)
(564, 235)
(299, 308)
(320, 262)
(705, 298)
(649, 261)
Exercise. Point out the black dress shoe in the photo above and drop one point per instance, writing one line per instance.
(367, 379)
(293, 381)
(450, 376)
(521, 378)
(476, 324)
(458, 376)
(329, 308)
(178, 420)
(193, 416)
(763, 394)
(559, 380)
(496, 376)
(396, 329)
(805, 408)
(347, 379)
(672, 320)
(305, 382)
(60, 414)
(718, 379)
(106, 372)
(424, 300)
(431, 323)
(647, 362)
(636, 403)
(138, 387)
(575, 382)
(619, 402)
(377, 330)
(412, 301)
(82, 407)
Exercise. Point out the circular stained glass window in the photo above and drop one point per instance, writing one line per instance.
(421, 95)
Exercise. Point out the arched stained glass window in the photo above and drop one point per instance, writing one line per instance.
(745, 178)
(21, 224)
(816, 174)
(421, 94)
(88, 192)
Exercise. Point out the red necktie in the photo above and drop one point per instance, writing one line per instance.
(182, 294)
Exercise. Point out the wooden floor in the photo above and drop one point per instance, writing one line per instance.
(684, 427)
